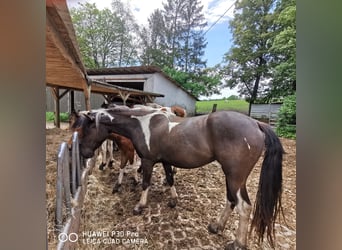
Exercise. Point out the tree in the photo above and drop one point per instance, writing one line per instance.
(286, 124)
(127, 41)
(204, 84)
(154, 40)
(173, 29)
(174, 41)
(183, 39)
(192, 37)
(104, 37)
(284, 50)
(90, 24)
(249, 58)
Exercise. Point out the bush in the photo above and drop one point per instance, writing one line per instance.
(50, 117)
(233, 97)
(286, 124)
(64, 117)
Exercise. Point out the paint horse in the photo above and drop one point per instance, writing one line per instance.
(126, 147)
(235, 140)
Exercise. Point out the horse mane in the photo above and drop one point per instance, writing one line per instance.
(97, 120)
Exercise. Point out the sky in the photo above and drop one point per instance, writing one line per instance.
(218, 36)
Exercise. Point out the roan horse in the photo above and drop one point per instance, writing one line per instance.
(236, 141)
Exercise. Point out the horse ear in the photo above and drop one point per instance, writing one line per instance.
(74, 114)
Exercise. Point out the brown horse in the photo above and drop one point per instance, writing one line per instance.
(127, 155)
(236, 141)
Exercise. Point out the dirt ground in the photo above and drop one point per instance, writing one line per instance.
(108, 221)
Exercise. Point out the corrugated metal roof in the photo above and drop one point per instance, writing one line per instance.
(125, 70)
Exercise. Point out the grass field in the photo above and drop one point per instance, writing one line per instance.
(236, 105)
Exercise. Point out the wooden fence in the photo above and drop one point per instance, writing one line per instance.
(266, 112)
(72, 177)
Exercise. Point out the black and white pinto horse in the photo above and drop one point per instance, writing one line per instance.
(236, 141)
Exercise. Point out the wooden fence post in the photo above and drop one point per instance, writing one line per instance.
(214, 107)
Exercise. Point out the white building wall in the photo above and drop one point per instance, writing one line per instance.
(174, 95)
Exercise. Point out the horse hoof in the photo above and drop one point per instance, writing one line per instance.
(137, 210)
(116, 189)
(214, 228)
(134, 181)
(102, 166)
(235, 246)
(110, 164)
(172, 203)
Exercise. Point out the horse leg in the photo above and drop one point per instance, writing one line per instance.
(147, 167)
(133, 164)
(236, 197)
(174, 171)
(169, 178)
(135, 177)
(243, 208)
(220, 223)
(123, 162)
(111, 157)
(103, 155)
(138, 163)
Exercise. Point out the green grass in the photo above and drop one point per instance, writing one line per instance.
(64, 117)
(236, 105)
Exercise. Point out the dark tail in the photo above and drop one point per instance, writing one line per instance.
(268, 198)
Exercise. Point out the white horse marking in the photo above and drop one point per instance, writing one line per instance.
(121, 174)
(104, 112)
(249, 147)
(242, 206)
(143, 198)
(145, 125)
(244, 210)
(100, 112)
(173, 192)
(172, 125)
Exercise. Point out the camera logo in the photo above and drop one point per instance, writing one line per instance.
(72, 237)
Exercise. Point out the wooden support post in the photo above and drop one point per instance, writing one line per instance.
(58, 97)
(72, 101)
(57, 107)
(124, 96)
(87, 93)
(214, 107)
(107, 98)
(149, 99)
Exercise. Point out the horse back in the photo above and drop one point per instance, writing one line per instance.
(234, 129)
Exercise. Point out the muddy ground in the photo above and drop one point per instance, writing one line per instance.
(201, 196)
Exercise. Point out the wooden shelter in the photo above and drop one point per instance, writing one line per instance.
(64, 68)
